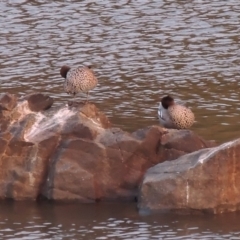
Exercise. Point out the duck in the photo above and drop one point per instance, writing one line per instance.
(79, 79)
(174, 115)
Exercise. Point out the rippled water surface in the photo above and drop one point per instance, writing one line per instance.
(140, 50)
(107, 222)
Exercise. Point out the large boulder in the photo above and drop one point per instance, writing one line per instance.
(73, 152)
(203, 181)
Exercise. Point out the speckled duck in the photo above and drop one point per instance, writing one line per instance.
(173, 115)
(80, 79)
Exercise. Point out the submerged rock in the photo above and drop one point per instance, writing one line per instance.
(73, 153)
(203, 181)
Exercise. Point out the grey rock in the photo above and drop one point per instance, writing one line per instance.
(202, 181)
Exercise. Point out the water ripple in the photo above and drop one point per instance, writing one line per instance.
(140, 50)
(108, 221)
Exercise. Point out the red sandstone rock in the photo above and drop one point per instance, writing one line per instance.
(7, 101)
(7, 104)
(73, 153)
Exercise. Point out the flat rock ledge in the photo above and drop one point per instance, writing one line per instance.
(205, 181)
(73, 152)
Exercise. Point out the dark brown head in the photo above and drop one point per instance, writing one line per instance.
(167, 101)
(64, 70)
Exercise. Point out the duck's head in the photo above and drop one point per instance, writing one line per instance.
(64, 70)
(167, 101)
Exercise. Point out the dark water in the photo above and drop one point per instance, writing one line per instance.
(141, 50)
(108, 221)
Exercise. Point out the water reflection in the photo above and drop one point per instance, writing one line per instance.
(108, 221)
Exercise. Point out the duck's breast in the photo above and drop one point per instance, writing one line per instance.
(164, 117)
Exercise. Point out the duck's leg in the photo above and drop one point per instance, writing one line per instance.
(87, 97)
(71, 102)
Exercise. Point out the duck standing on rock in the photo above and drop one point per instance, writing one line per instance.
(80, 79)
(173, 115)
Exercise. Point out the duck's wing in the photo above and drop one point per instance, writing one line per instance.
(182, 117)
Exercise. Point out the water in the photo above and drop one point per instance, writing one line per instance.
(141, 50)
(108, 221)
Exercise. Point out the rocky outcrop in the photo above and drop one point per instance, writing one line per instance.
(203, 181)
(73, 152)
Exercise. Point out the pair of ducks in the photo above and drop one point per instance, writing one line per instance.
(170, 114)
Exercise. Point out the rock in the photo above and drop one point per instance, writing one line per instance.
(7, 104)
(4, 121)
(7, 101)
(73, 153)
(39, 102)
(203, 181)
(179, 142)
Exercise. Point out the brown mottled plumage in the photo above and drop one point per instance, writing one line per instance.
(80, 79)
(172, 115)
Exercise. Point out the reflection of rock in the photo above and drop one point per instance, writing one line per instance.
(72, 152)
(206, 180)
